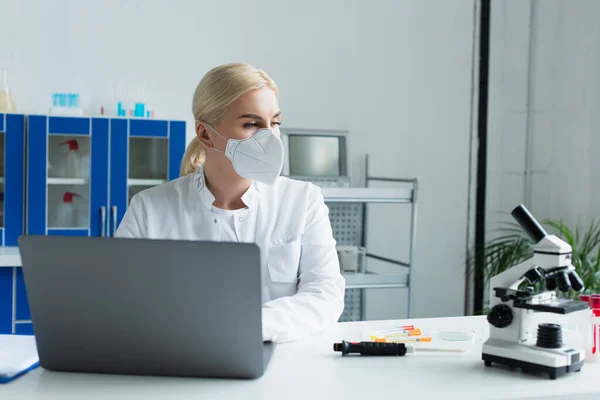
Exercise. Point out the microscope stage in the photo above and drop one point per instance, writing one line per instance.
(557, 306)
(529, 357)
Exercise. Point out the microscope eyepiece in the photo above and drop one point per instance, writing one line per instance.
(576, 282)
(529, 224)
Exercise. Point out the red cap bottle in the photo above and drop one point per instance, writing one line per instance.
(595, 302)
(68, 197)
(73, 145)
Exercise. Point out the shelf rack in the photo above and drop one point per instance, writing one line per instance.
(348, 215)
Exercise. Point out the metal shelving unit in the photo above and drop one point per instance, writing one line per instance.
(348, 198)
(348, 215)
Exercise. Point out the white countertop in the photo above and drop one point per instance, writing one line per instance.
(310, 369)
(10, 257)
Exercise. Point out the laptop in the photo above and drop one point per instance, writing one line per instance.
(146, 307)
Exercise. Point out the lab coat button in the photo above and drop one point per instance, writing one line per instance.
(241, 219)
(215, 220)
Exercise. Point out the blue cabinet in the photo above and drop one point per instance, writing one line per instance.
(81, 174)
(12, 192)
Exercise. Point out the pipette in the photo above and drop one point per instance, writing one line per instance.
(384, 349)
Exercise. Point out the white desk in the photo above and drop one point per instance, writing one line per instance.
(310, 369)
(10, 257)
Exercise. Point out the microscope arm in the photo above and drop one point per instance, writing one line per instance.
(512, 278)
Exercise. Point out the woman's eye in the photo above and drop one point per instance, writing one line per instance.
(250, 125)
(276, 123)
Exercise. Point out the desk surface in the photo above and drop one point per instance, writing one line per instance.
(309, 369)
(10, 257)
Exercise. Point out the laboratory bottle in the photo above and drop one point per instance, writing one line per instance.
(84, 166)
(7, 104)
(72, 162)
(66, 215)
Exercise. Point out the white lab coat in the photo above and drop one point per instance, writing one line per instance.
(302, 287)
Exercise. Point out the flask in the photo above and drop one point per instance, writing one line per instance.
(7, 104)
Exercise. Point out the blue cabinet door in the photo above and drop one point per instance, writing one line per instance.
(6, 300)
(143, 154)
(119, 147)
(12, 132)
(99, 178)
(176, 147)
(37, 161)
(14, 189)
(67, 186)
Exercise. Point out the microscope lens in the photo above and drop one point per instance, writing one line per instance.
(576, 282)
(562, 280)
(550, 283)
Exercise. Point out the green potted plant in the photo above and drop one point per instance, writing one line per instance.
(512, 246)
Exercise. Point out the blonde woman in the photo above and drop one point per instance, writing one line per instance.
(231, 191)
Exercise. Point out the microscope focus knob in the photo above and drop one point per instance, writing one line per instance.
(500, 316)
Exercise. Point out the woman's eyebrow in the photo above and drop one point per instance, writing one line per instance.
(258, 117)
(253, 116)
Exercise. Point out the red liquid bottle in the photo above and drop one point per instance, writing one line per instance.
(595, 305)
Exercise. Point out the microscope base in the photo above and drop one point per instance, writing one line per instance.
(530, 358)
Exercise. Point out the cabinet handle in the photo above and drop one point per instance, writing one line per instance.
(103, 216)
(114, 215)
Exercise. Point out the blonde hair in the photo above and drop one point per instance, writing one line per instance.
(220, 87)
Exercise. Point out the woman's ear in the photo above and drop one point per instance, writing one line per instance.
(202, 134)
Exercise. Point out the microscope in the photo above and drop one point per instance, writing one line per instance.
(512, 341)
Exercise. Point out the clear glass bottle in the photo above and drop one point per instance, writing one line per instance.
(7, 104)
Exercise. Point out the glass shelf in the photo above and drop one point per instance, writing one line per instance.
(146, 182)
(68, 172)
(66, 163)
(148, 158)
(148, 163)
(77, 215)
(67, 181)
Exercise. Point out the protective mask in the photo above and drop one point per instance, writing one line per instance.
(258, 158)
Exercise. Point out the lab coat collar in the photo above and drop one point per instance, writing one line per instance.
(250, 197)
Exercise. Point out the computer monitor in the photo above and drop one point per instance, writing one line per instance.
(315, 153)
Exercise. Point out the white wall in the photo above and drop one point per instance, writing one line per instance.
(545, 91)
(507, 109)
(396, 74)
(566, 122)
